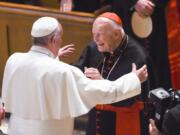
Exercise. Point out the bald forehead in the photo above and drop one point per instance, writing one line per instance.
(102, 21)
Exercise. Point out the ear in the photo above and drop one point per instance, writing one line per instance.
(117, 33)
(52, 40)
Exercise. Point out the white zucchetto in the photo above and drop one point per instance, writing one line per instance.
(44, 26)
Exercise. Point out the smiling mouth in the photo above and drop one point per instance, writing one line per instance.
(100, 44)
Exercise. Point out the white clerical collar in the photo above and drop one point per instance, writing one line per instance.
(42, 50)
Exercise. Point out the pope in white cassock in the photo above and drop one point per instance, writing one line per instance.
(44, 94)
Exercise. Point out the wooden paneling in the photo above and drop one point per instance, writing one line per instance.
(4, 53)
(16, 21)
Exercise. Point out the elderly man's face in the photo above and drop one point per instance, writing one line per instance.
(104, 36)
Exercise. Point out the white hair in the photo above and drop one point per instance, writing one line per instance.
(109, 21)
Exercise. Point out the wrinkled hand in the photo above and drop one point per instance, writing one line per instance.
(144, 8)
(66, 51)
(92, 73)
(141, 73)
(152, 128)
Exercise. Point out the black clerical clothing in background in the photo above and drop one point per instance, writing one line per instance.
(90, 57)
(89, 5)
(156, 43)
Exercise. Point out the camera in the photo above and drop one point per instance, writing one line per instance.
(161, 102)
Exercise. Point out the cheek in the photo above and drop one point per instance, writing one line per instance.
(106, 39)
(59, 41)
(110, 39)
(109, 43)
(103, 38)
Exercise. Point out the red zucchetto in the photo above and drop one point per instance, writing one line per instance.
(112, 16)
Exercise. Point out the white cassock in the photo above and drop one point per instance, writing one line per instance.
(44, 94)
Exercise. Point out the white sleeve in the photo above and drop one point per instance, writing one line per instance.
(86, 93)
(62, 92)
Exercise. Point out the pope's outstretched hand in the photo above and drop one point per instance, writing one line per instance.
(141, 73)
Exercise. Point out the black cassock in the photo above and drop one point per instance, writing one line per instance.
(89, 5)
(156, 44)
(120, 64)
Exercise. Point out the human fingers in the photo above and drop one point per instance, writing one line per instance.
(69, 49)
(133, 67)
(151, 3)
(144, 8)
(152, 122)
(142, 69)
(68, 46)
(148, 9)
(142, 73)
(92, 73)
(65, 52)
(152, 128)
(94, 76)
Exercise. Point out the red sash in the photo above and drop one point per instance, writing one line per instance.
(127, 118)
